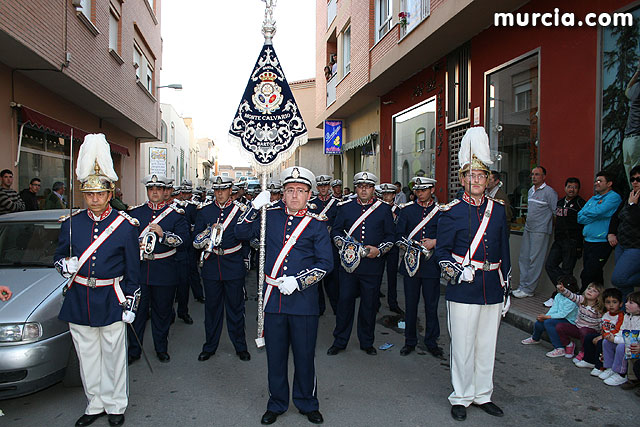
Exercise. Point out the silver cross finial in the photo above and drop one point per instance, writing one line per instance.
(269, 25)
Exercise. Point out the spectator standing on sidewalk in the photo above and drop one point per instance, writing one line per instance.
(401, 197)
(624, 232)
(542, 201)
(30, 195)
(10, 201)
(567, 243)
(116, 202)
(596, 216)
(495, 190)
(56, 200)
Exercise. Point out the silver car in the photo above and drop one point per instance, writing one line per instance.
(36, 350)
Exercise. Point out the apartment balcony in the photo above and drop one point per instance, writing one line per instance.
(332, 11)
(331, 89)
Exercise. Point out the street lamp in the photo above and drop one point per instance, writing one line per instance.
(176, 86)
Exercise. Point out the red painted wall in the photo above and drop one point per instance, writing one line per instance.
(568, 98)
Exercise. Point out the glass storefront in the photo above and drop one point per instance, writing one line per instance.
(512, 124)
(43, 155)
(414, 140)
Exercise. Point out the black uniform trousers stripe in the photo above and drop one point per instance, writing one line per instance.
(299, 332)
(430, 289)
(224, 296)
(160, 299)
(368, 288)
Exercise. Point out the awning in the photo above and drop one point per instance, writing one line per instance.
(44, 122)
(360, 141)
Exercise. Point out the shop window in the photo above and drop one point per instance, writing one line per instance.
(458, 87)
(411, 151)
(383, 18)
(512, 124)
(346, 51)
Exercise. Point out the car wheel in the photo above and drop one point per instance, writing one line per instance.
(72, 373)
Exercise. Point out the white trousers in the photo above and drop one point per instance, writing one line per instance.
(473, 330)
(102, 352)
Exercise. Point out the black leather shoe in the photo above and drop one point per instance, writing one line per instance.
(370, 351)
(133, 359)
(333, 350)
(397, 310)
(200, 300)
(186, 319)
(87, 419)
(269, 417)
(314, 416)
(406, 350)
(243, 355)
(491, 409)
(459, 412)
(205, 355)
(436, 352)
(116, 419)
(163, 357)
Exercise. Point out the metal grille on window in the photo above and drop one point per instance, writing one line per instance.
(455, 137)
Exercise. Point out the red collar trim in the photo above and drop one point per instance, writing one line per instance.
(324, 199)
(104, 214)
(156, 206)
(301, 212)
(371, 200)
(471, 201)
(429, 203)
(225, 205)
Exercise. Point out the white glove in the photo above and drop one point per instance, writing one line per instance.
(262, 199)
(467, 274)
(128, 316)
(287, 284)
(506, 305)
(70, 265)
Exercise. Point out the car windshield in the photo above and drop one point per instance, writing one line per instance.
(28, 244)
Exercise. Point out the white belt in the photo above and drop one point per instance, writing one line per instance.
(151, 257)
(92, 282)
(271, 281)
(220, 251)
(486, 266)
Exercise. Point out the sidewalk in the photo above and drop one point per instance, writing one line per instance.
(523, 312)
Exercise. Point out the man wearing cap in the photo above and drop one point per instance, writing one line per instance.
(472, 249)
(101, 295)
(163, 229)
(387, 192)
(325, 204)
(275, 189)
(223, 270)
(298, 256)
(417, 228)
(193, 278)
(363, 231)
(336, 188)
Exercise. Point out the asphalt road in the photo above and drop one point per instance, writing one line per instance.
(354, 389)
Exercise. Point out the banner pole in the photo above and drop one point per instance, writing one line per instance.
(262, 258)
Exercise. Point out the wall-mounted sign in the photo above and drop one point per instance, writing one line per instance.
(157, 161)
(333, 137)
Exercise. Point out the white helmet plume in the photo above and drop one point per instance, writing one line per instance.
(95, 148)
(475, 143)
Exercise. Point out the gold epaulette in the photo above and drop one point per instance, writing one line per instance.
(129, 218)
(447, 206)
(242, 206)
(319, 217)
(63, 218)
(496, 200)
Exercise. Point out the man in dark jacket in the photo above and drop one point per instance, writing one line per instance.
(55, 200)
(30, 195)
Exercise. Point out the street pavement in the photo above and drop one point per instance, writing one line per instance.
(354, 389)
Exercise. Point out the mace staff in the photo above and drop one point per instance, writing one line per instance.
(261, 262)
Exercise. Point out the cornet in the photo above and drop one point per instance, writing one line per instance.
(147, 245)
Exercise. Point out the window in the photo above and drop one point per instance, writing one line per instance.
(238, 175)
(411, 152)
(163, 131)
(346, 51)
(114, 32)
(149, 84)
(458, 88)
(151, 4)
(173, 133)
(416, 11)
(225, 173)
(512, 125)
(383, 18)
(84, 7)
(137, 61)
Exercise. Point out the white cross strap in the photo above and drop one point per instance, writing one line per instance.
(478, 237)
(159, 218)
(424, 222)
(364, 216)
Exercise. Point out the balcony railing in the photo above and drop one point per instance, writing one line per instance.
(332, 10)
(331, 89)
(417, 11)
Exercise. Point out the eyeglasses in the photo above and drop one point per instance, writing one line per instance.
(634, 179)
(476, 177)
(36, 185)
(298, 191)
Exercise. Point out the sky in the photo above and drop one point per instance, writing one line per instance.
(211, 47)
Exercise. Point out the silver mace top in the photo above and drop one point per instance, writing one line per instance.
(269, 25)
